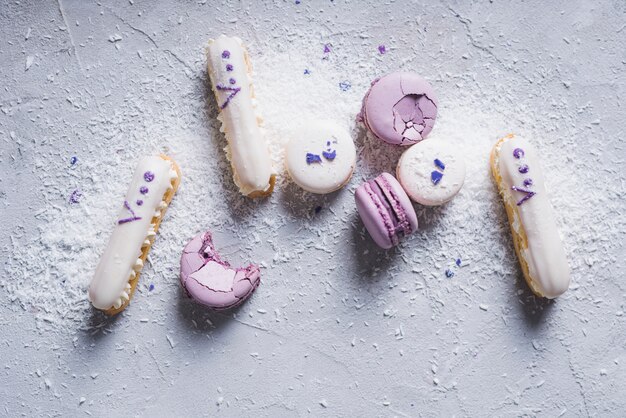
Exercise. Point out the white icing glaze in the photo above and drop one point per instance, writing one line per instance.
(247, 149)
(327, 175)
(417, 164)
(545, 255)
(109, 286)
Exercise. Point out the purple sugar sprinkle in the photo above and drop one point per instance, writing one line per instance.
(75, 196)
(297, 1)
(528, 195)
(518, 153)
(139, 202)
(151, 288)
(345, 85)
(439, 164)
(458, 262)
(328, 143)
(523, 169)
(330, 155)
(326, 48)
(73, 160)
(232, 81)
(306, 71)
(313, 158)
(318, 209)
(148, 176)
(133, 218)
(382, 49)
(229, 67)
(143, 190)
(449, 273)
(436, 177)
(528, 182)
(226, 54)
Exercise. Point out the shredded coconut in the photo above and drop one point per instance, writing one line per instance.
(294, 231)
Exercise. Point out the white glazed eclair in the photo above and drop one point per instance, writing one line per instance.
(151, 190)
(518, 174)
(230, 72)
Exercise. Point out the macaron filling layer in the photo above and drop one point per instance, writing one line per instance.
(389, 207)
(396, 205)
(391, 221)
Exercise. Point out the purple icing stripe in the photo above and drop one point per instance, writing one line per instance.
(528, 195)
(234, 91)
(131, 219)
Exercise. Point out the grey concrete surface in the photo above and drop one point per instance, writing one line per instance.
(338, 327)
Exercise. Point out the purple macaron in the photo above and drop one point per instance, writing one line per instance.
(386, 210)
(399, 108)
(210, 280)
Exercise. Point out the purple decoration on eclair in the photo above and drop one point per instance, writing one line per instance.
(528, 182)
(386, 210)
(229, 67)
(523, 169)
(518, 153)
(148, 176)
(143, 190)
(527, 194)
(233, 90)
(226, 54)
(210, 280)
(439, 164)
(132, 212)
(139, 202)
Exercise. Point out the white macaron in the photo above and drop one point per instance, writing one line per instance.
(321, 157)
(431, 172)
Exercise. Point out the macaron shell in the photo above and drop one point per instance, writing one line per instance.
(326, 175)
(417, 164)
(390, 98)
(211, 281)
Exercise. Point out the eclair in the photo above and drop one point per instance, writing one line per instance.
(517, 171)
(151, 190)
(230, 71)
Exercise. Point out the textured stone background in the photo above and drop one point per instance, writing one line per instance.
(338, 327)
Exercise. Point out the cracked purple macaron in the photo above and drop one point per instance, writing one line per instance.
(210, 280)
(386, 210)
(399, 108)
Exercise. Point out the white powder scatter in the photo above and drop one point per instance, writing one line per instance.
(29, 62)
(50, 273)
